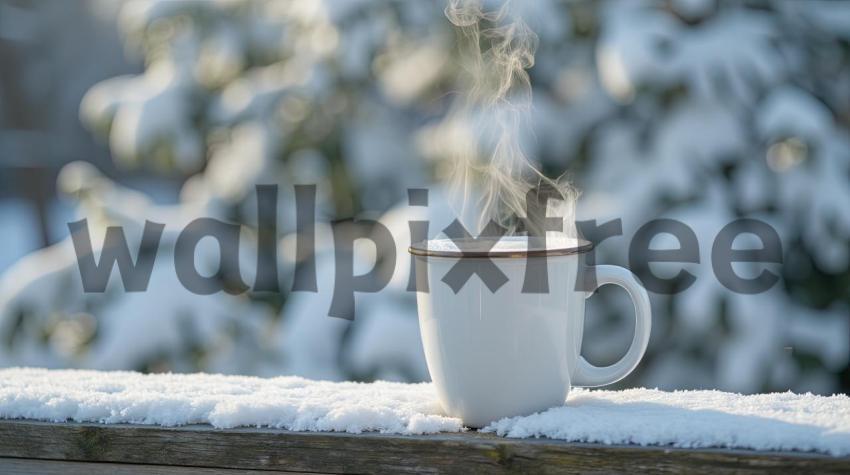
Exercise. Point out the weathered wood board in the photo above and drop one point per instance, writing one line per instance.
(68, 448)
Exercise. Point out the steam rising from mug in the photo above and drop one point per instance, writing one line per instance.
(491, 177)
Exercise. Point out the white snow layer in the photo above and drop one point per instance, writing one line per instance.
(778, 421)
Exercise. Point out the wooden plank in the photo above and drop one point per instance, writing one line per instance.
(268, 449)
(11, 466)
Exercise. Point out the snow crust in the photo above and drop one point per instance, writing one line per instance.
(287, 402)
(691, 419)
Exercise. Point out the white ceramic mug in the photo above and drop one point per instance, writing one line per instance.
(508, 353)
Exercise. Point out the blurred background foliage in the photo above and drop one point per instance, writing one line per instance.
(698, 110)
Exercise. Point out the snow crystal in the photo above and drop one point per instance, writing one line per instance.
(290, 402)
(693, 419)
(689, 419)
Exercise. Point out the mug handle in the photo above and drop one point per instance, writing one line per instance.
(589, 375)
